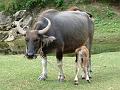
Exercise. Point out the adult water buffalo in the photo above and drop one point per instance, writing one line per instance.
(63, 32)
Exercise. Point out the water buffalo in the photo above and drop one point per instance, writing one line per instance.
(61, 31)
(74, 8)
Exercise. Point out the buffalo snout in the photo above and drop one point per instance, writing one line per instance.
(31, 56)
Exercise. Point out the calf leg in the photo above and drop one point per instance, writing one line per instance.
(83, 73)
(85, 68)
(76, 79)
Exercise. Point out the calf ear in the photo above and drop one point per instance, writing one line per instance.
(48, 39)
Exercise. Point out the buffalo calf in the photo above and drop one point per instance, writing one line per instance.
(82, 60)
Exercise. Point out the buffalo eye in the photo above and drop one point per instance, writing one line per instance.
(26, 39)
(36, 40)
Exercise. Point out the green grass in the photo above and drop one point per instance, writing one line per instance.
(18, 73)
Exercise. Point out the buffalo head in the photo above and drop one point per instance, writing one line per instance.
(35, 39)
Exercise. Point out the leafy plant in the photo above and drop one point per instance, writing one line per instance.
(14, 5)
(110, 13)
(59, 2)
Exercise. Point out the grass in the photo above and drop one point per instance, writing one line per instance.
(18, 73)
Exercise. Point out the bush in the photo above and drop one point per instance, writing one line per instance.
(16, 5)
(12, 6)
(59, 2)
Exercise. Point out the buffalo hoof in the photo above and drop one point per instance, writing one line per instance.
(61, 78)
(91, 71)
(42, 77)
(75, 82)
(90, 77)
(88, 81)
(83, 76)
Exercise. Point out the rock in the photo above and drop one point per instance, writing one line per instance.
(3, 35)
(7, 23)
(11, 35)
(19, 14)
(9, 32)
(4, 19)
(27, 21)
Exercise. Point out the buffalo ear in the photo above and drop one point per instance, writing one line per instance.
(48, 39)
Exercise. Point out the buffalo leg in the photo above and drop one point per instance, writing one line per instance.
(43, 75)
(59, 55)
(89, 65)
(89, 46)
(76, 79)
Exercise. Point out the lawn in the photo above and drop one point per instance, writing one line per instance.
(18, 73)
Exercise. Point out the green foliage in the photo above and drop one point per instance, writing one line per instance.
(3, 45)
(109, 1)
(16, 5)
(83, 1)
(110, 13)
(33, 3)
(2, 6)
(59, 3)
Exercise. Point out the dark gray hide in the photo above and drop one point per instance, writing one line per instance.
(71, 29)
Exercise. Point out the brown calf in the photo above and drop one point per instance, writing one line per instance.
(82, 61)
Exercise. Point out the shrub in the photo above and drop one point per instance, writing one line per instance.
(59, 2)
(16, 5)
(12, 6)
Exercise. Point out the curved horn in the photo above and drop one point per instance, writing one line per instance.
(46, 28)
(20, 30)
